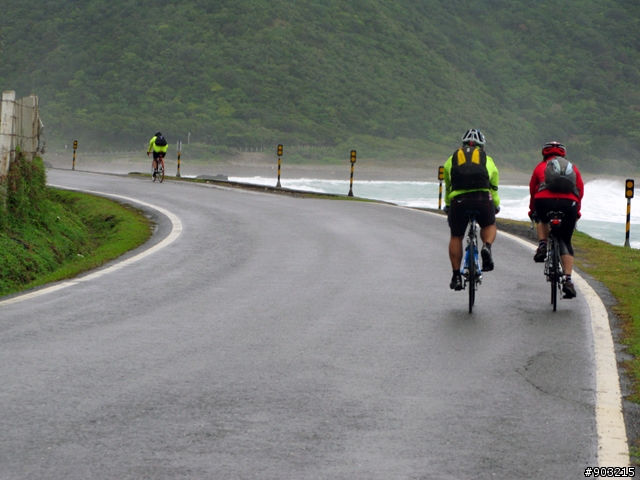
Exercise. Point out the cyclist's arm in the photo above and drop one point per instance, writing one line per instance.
(152, 143)
(579, 182)
(534, 185)
(447, 181)
(494, 179)
(580, 187)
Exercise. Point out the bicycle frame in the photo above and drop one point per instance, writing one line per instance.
(553, 264)
(471, 270)
(157, 170)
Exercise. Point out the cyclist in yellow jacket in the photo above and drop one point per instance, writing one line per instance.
(159, 146)
(471, 180)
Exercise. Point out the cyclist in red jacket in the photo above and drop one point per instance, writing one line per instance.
(544, 200)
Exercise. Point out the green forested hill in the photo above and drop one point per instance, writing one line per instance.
(325, 72)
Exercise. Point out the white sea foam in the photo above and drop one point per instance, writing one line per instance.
(604, 207)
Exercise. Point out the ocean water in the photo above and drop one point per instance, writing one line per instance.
(604, 208)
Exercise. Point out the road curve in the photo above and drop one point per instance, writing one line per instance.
(281, 337)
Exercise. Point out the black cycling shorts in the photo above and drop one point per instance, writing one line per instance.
(156, 155)
(480, 202)
(568, 225)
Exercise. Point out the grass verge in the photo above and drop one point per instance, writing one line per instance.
(73, 233)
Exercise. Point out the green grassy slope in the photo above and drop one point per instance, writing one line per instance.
(48, 235)
(259, 72)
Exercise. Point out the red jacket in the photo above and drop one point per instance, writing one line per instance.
(538, 177)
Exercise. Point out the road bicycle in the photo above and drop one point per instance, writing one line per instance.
(553, 265)
(158, 172)
(471, 271)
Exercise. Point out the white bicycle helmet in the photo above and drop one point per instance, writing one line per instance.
(474, 136)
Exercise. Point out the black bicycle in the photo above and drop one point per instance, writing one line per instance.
(471, 271)
(553, 265)
(157, 173)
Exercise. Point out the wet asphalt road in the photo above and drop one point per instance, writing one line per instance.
(290, 338)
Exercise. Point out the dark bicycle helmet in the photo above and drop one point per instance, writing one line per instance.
(551, 149)
(158, 134)
(475, 136)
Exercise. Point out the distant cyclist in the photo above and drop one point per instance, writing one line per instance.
(471, 180)
(556, 186)
(159, 146)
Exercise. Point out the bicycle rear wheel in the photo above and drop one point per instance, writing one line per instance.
(160, 174)
(555, 273)
(472, 275)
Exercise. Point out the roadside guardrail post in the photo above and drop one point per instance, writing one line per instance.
(628, 193)
(353, 162)
(440, 178)
(75, 147)
(279, 162)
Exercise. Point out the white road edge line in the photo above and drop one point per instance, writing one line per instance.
(613, 447)
(175, 233)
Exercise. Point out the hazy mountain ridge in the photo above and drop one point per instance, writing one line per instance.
(257, 72)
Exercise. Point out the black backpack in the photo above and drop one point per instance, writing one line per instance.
(469, 169)
(161, 141)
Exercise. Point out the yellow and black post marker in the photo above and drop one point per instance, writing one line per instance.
(440, 179)
(279, 163)
(75, 147)
(179, 148)
(628, 193)
(353, 163)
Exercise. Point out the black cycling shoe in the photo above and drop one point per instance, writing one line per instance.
(568, 289)
(541, 254)
(487, 259)
(456, 282)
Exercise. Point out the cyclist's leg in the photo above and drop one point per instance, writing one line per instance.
(543, 228)
(162, 159)
(455, 256)
(488, 234)
(455, 252)
(458, 225)
(154, 164)
(566, 250)
(567, 263)
(488, 230)
(568, 288)
(570, 210)
(543, 207)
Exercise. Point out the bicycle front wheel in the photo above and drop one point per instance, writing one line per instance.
(472, 275)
